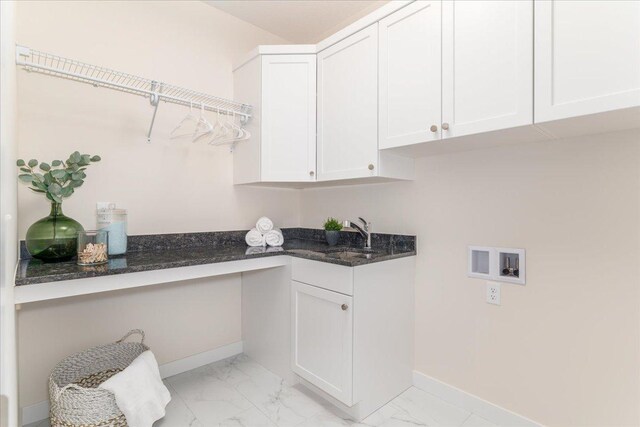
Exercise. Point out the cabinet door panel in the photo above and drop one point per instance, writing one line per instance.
(487, 65)
(288, 118)
(348, 107)
(587, 57)
(410, 81)
(322, 339)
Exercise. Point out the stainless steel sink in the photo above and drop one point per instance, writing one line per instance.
(350, 253)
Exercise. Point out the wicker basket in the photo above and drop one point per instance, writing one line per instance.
(76, 400)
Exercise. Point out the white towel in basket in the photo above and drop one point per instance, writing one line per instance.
(140, 393)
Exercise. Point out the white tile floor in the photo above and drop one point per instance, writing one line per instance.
(239, 392)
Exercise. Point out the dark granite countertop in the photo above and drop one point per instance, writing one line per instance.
(157, 252)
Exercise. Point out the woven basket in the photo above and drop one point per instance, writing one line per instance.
(76, 400)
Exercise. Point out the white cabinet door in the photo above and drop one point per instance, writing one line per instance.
(348, 107)
(487, 66)
(322, 339)
(587, 57)
(410, 82)
(288, 118)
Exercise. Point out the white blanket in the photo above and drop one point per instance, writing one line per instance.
(264, 225)
(254, 238)
(274, 237)
(140, 393)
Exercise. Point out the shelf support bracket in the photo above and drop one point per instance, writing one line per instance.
(154, 99)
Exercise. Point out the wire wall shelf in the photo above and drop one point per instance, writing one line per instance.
(155, 91)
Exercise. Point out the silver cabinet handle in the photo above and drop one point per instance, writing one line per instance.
(433, 128)
(344, 307)
(445, 126)
(311, 173)
(371, 166)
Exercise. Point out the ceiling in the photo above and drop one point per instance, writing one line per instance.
(299, 21)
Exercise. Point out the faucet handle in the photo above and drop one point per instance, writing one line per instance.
(364, 221)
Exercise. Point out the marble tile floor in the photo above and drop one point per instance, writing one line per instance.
(239, 392)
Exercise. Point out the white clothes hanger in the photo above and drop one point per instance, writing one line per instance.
(188, 120)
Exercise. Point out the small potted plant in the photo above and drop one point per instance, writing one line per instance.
(332, 229)
(54, 237)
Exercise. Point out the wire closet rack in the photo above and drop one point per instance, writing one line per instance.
(155, 91)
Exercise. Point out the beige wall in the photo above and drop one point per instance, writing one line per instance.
(562, 350)
(166, 186)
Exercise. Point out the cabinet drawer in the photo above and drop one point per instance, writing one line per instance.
(337, 278)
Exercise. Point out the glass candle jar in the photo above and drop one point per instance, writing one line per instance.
(114, 221)
(93, 247)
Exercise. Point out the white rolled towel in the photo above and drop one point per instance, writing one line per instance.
(255, 238)
(264, 225)
(274, 237)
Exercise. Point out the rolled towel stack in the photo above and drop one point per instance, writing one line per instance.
(264, 234)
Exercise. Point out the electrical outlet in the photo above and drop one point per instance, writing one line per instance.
(493, 293)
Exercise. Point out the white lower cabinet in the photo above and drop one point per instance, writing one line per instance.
(323, 339)
(352, 331)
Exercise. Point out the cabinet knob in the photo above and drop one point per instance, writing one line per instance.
(344, 307)
(311, 173)
(445, 126)
(370, 166)
(433, 128)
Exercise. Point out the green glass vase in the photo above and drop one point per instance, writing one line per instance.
(54, 237)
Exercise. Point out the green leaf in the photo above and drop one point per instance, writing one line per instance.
(76, 184)
(40, 185)
(58, 173)
(78, 176)
(96, 158)
(85, 159)
(35, 190)
(25, 177)
(20, 163)
(75, 157)
(56, 163)
(49, 196)
(66, 191)
(54, 189)
(33, 163)
(45, 167)
(56, 198)
(25, 170)
(48, 179)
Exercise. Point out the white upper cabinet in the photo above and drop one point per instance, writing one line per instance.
(288, 117)
(282, 148)
(487, 66)
(410, 81)
(587, 58)
(347, 140)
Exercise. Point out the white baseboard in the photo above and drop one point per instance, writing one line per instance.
(487, 410)
(40, 411)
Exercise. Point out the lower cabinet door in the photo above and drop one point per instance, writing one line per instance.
(322, 341)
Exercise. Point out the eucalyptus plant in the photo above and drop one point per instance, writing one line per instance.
(58, 179)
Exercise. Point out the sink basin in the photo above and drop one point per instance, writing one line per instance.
(350, 253)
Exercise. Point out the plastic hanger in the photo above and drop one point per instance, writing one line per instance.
(203, 127)
(190, 117)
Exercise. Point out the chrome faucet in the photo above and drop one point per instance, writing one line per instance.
(365, 230)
